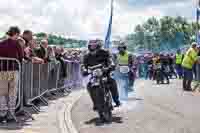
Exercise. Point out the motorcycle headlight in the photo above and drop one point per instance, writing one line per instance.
(97, 73)
(105, 79)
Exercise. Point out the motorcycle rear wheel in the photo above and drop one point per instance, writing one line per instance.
(108, 116)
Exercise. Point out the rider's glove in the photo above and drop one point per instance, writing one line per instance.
(85, 73)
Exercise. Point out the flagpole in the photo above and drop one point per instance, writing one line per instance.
(197, 21)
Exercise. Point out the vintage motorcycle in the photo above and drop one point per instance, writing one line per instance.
(99, 83)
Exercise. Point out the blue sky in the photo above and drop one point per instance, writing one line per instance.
(88, 18)
(152, 2)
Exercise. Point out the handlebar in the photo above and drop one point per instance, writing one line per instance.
(100, 66)
(95, 67)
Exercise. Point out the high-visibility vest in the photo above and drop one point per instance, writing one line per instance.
(123, 59)
(179, 58)
(190, 58)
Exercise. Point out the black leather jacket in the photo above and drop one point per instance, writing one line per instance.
(101, 57)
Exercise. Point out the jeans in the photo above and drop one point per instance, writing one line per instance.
(149, 74)
(8, 94)
(131, 85)
(172, 71)
(164, 75)
(194, 71)
(123, 84)
(141, 70)
(146, 71)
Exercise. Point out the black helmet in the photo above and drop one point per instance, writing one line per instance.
(95, 44)
(178, 50)
(122, 45)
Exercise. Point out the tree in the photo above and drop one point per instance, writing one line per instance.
(167, 33)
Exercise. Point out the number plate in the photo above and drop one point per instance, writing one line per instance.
(124, 69)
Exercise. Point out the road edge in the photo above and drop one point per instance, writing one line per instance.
(65, 117)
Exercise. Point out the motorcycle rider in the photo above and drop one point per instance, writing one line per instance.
(155, 61)
(95, 56)
(171, 60)
(149, 74)
(165, 67)
(126, 79)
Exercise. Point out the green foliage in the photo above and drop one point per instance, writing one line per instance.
(166, 33)
(58, 40)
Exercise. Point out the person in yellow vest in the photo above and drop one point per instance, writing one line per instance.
(190, 58)
(179, 59)
(124, 73)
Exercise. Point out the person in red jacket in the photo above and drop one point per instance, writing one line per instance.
(9, 48)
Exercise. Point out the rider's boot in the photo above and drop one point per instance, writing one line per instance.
(117, 104)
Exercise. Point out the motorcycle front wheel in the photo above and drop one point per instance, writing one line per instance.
(105, 116)
(108, 116)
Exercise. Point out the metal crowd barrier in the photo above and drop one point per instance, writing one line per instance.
(54, 76)
(198, 72)
(36, 80)
(73, 78)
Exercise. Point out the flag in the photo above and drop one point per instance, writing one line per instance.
(109, 31)
(198, 14)
(198, 11)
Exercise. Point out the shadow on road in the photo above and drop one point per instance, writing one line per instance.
(134, 99)
(24, 120)
(15, 125)
(96, 121)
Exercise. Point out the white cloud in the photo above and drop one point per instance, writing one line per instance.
(86, 18)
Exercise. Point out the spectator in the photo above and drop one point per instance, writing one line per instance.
(54, 49)
(22, 42)
(33, 52)
(171, 66)
(42, 53)
(27, 36)
(50, 54)
(76, 56)
(9, 75)
(62, 50)
(60, 58)
(68, 55)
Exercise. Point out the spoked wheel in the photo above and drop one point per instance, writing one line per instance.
(105, 116)
(108, 108)
(101, 116)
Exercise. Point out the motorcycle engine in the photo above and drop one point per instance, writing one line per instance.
(97, 74)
